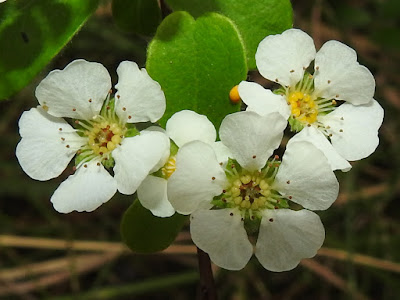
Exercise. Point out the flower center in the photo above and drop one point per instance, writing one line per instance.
(249, 191)
(104, 137)
(169, 167)
(304, 108)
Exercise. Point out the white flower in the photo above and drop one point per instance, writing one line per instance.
(183, 127)
(251, 192)
(103, 135)
(344, 133)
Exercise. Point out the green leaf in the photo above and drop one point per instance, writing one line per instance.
(137, 16)
(255, 19)
(144, 233)
(197, 62)
(32, 33)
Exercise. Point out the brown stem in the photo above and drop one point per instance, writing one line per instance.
(207, 284)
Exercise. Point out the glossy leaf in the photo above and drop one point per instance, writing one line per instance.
(32, 33)
(255, 19)
(137, 16)
(144, 233)
(197, 62)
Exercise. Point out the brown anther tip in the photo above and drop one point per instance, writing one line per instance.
(124, 108)
(241, 219)
(276, 80)
(253, 217)
(90, 100)
(60, 129)
(108, 107)
(74, 109)
(98, 164)
(220, 163)
(85, 165)
(271, 220)
(213, 178)
(290, 197)
(118, 96)
(308, 125)
(101, 153)
(288, 182)
(340, 130)
(330, 134)
(329, 81)
(76, 121)
(337, 96)
(223, 200)
(276, 207)
(231, 214)
(276, 156)
(317, 68)
(254, 156)
(67, 146)
(304, 68)
(63, 139)
(291, 71)
(129, 117)
(224, 191)
(232, 166)
(342, 118)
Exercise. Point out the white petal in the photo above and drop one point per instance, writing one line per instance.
(283, 57)
(360, 124)
(138, 96)
(287, 236)
(262, 101)
(136, 157)
(221, 234)
(186, 126)
(166, 150)
(86, 190)
(315, 137)
(192, 184)
(222, 152)
(41, 152)
(76, 92)
(307, 177)
(252, 138)
(339, 75)
(152, 194)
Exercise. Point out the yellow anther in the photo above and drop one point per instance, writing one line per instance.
(235, 191)
(237, 200)
(264, 185)
(254, 205)
(111, 146)
(245, 179)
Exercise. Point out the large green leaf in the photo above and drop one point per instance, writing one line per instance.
(197, 62)
(137, 16)
(144, 233)
(255, 19)
(32, 32)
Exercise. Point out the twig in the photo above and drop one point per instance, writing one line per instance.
(207, 284)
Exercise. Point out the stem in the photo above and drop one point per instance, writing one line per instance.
(207, 284)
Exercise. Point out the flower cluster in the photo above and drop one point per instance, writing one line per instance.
(237, 192)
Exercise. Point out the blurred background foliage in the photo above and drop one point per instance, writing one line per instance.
(363, 223)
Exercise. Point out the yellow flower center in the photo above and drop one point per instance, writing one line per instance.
(104, 137)
(169, 167)
(303, 106)
(250, 191)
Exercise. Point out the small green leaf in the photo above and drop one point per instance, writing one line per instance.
(255, 19)
(197, 62)
(137, 16)
(32, 33)
(144, 233)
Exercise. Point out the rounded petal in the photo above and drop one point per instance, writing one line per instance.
(338, 75)
(198, 178)
(284, 57)
(262, 101)
(318, 139)
(152, 194)
(139, 98)
(287, 236)
(221, 234)
(166, 153)
(76, 92)
(355, 129)
(307, 177)
(252, 138)
(222, 152)
(44, 150)
(186, 126)
(86, 190)
(136, 158)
